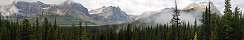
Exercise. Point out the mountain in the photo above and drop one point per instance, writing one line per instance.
(69, 6)
(164, 16)
(29, 8)
(32, 8)
(66, 12)
(201, 7)
(69, 12)
(110, 15)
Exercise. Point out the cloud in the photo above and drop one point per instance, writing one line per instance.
(5, 2)
(135, 6)
(9, 2)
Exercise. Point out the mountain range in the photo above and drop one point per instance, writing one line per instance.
(69, 12)
(188, 14)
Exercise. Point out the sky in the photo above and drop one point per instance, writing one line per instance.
(135, 7)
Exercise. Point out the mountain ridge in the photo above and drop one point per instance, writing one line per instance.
(69, 10)
(110, 14)
(164, 16)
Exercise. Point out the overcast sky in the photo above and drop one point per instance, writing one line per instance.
(135, 7)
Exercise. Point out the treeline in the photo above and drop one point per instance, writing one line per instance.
(229, 26)
(25, 30)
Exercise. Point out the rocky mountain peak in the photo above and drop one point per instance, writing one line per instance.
(106, 9)
(110, 14)
(201, 7)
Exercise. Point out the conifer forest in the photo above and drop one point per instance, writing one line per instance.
(229, 26)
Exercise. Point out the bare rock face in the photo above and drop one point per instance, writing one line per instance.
(110, 15)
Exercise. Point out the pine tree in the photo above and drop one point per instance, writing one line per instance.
(18, 30)
(55, 30)
(50, 31)
(35, 35)
(26, 29)
(85, 34)
(79, 36)
(211, 25)
(227, 22)
(0, 19)
(206, 24)
(128, 32)
(237, 25)
(214, 26)
(175, 21)
(242, 26)
(5, 32)
(46, 26)
(38, 30)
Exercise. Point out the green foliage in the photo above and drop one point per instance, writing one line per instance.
(230, 26)
(227, 21)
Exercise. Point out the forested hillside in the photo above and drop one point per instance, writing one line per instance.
(229, 26)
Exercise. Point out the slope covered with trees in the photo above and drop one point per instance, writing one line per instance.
(230, 26)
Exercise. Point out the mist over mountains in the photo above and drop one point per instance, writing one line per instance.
(188, 14)
(75, 12)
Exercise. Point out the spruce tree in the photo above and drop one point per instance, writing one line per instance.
(45, 28)
(85, 34)
(55, 30)
(18, 30)
(206, 24)
(227, 22)
(242, 26)
(237, 25)
(175, 21)
(26, 33)
(79, 36)
(38, 29)
(214, 26)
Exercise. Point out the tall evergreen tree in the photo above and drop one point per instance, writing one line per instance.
(214, 26)
(242, 26)
(26, 33)
(79, 36)
(237, 25)
(227, 22)
(55, 29)
(18, 30)
(85, 33)
(46, 26)
(175, 21)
